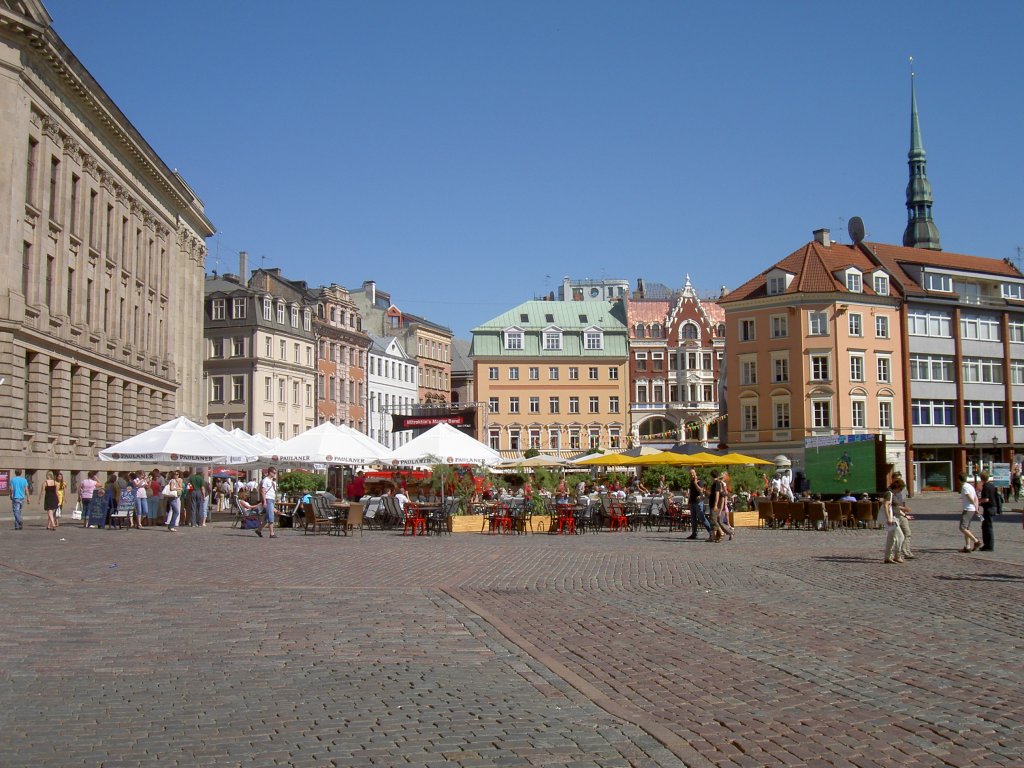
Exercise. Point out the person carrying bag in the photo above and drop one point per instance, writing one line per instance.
(893, 534)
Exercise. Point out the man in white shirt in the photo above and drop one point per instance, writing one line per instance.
(268, 496)
(969, 505)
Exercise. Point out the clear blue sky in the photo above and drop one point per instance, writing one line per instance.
(468, 154)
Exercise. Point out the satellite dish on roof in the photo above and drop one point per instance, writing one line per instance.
(856, 230)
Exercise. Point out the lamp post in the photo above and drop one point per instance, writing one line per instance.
(974, 441)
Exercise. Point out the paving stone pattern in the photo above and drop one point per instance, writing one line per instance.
(780, 648)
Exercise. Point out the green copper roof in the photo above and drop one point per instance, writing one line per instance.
(571, 317)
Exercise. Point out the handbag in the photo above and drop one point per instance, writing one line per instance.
(168, 492)
(76, 513)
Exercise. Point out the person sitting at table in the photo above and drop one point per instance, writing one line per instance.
(562, 492)
(527, 490)
(637, 486)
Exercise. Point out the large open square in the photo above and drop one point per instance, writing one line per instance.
(780, 648)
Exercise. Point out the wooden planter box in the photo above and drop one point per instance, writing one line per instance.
(467, 523)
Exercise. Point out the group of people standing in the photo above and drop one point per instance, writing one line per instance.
(979, 499)
(145, 498)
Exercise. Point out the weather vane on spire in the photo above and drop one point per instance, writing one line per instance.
(911, 66)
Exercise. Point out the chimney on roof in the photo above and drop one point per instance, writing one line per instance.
(640, 288)
(821, 236)
(243, 267)
(567, 292)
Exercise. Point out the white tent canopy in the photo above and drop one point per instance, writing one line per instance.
(179, 441)
(443, 444)
(327, 444)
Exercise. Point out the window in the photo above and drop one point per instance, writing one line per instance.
(534, 405)
(595, 404)
(820, 368)
(856, 324)
(237, 389)
(925, 413)
(781, 414)
(553, 405)
(817, 322)
(513, 439)
(305, 319)
(296, 349)
(593, 340)
(613, 373)
(554, 439)
(780, 326)
(614, 439)
(513, 373)
(54, 188)
(780, 370)
(553, 373)
(858, 414)
(574, 405)
(295, 393)
(268, 308)
(1013, 291)
(574, 373)
(1016, 372)
(30, 171)
(574, 439)
(881, 327)
(534, 373)
(933, 282)
(594, 437)
(979, 327)
(1017, 331)
(641, 361)
(856, 367)
(592, 373)
(641, 392)
(983, 414)
(613, 404)
(492, 373)
(748, 415)
(552, 339)
(217, 309)
(268, 391)
(983, 370)
(216, 389)
(854, 282)
(513, 405)
(1018, 414)
(216, 348)
(882, 285)
(280, 312)
(929, 324)
(776, 285)
(238, 307)
(535, 438)
(657, 361)
(883, 366)
(885, 414)
(690, 331)
(747, 330)
(748, 372)
(281, 390)
(931, 368)
(238, 346)
(821, 414)
(494, 439)
(513, 339)
(492, 405)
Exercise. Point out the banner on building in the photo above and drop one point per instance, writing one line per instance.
(464, 419)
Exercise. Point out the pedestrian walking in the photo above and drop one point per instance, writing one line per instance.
(172, 493)
(696, 500)
(716, 508)
(268, 496)
(19, 497)
(87, 489)
(62, 489)
(141, 506)
(991, 504)
(893, 532)
(969, 505)
(51, 501)
(902, 513)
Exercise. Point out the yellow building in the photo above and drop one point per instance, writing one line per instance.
(553, 376)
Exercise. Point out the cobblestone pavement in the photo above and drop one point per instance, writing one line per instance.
(780, 648)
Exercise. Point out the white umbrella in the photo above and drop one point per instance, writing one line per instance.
(243, 447)
(443, 444)
(179, 441)
(327, 444)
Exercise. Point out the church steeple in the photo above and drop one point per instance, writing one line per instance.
(921, 231)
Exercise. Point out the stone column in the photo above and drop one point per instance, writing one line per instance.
(38, 393)
(60, 397)
(97, 416)
(114, 414)
(130, 406)
(81, 395)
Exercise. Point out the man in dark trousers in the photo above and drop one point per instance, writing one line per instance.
(697, 515)
(989, 506)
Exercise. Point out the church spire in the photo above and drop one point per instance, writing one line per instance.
(921, 231)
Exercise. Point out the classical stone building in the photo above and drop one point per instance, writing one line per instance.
(341, 359)
(102, 249)
(260, 366)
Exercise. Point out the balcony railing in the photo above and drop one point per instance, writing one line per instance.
(682, 405)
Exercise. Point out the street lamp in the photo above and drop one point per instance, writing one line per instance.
(974, 441)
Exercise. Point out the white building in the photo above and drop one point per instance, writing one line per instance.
(392, 388)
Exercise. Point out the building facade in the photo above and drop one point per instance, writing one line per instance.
(260, 367)
(391, 376)
(814, 348)
(553, 376)
(104, 248)
(341, 359)
(676, 350)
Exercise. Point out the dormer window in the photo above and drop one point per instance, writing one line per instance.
(305, 319)
(513, 338)
(854, 281)
(295, 317)
(942, 283)
(778, 281)
(593, 339)
(268, 309)
(280, 312)
(881, 285)
(524, 318)
(552, 338)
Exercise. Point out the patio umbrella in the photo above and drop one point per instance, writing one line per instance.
(541, 460)
(178, 441)
(443, 444)
(640, 450)
(603, 460)
(688, 449)
(740, 458)
(673, 459)
(328, 444)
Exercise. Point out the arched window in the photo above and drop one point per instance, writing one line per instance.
(639, 331)
(656, 330)
(689, 331)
